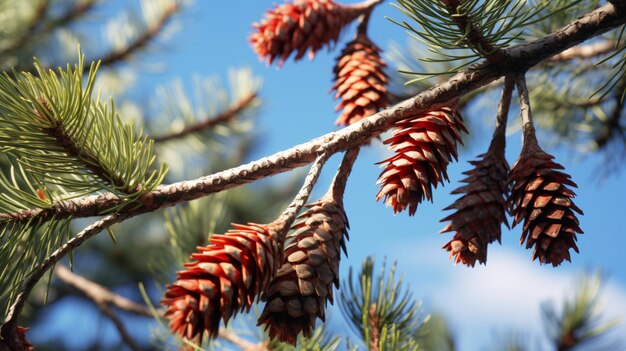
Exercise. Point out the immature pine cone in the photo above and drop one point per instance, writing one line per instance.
(226, 278)
(481, 210)
(300, 26)
(423, 146)
(360, 82)
(540, 197)
(303, 285)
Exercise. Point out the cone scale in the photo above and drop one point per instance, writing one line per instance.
(360, 81)
(541, 199)
(423, 147)
(298, 27)
(226, 277)
(480, 212)
(304, 283)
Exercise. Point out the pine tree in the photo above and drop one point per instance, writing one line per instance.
(70, 155)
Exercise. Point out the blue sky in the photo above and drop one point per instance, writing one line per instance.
(480, 303)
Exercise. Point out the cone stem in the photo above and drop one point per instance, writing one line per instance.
(338, 185)
(289, 215)
(498, 140)
(528, 129)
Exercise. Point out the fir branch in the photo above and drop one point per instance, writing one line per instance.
(520, 58)
(224, 117)
(142, 40)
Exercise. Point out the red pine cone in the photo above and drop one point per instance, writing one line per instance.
(299, 26)
(481, 210)
(360, 82)
(23, 343)
(423, 146)
(540, 197)
(227, 276)
(303, 285)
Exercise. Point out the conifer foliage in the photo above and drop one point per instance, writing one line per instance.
(66, 154)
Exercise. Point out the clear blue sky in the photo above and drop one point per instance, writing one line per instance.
(480, 303)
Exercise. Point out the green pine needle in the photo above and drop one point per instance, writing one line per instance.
(381, 308)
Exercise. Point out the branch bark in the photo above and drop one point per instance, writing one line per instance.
(212, 122)
(519, 59)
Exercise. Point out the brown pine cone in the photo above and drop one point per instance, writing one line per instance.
(303, 285)
(226, 278)
(423, 146)
(480, 212)
(541, 198)
(300, 26)
(360, 82)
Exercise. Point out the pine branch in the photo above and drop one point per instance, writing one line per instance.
(141, 41)
(103, 297)
(519, 59)
(211, 122)
(8, 336)
(473, 34)
(588, 51)
(25, 38)
(80, 8)
(63, 139)
(99, 293)
(612, 127)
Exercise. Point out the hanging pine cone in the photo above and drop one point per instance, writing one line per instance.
(300, 26)
(540, 197)
(303, 285)
(360, 82)
(423, 146)
(480, 212)
(227, 276)
(22, 342)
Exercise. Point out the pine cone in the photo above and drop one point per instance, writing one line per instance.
(23, 343)
(227, 276)
(300, 26)
(423, 146)
(481, 210)
(302, 287)
(360, 82)
(540, 197)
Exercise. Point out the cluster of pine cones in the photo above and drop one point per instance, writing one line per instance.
(295, 276)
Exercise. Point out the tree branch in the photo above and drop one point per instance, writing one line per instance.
(519, 59)
(9, 327)
(588, 51)
(99, 293)
(143, 40)
(222, 118)
(473, 33)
